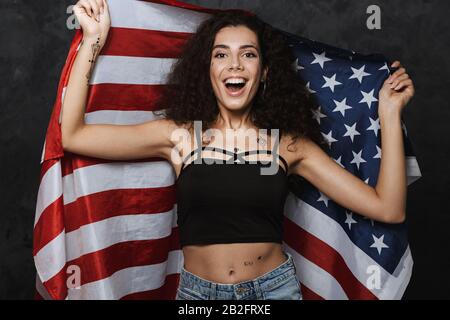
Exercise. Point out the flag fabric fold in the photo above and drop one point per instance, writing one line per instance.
(107, 229)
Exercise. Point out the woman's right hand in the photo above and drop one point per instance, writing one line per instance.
(94, 19)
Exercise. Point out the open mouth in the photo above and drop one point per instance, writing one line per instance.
(235, 86)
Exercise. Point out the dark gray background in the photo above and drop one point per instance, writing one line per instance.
(34, 42)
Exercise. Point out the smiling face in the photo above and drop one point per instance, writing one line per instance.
(236, 69)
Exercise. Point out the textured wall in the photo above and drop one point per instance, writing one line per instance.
(34, 41)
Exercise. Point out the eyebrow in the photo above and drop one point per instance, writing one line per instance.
(245, 46)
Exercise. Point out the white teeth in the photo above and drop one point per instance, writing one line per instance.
(235, 80)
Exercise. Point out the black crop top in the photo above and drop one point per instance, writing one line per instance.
(231, 201)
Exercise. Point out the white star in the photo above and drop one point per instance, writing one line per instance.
(309, 88)
(366, 181)
(331, 82)
(357, 158)
(374, 125)
(368, 98)
(378, 155)
(320, 59)
(296, 66)
(317, 114)
(349, 219)
(378, 243)
(351, 131)
(385, 67)
(323, 198)
(341, 106)
(359, 73)
(329, 137)
(339, 161)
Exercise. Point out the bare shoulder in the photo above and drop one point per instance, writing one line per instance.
(177, 132)
(294, 147)
(166, 127)
(164, 134)
(177, 137)
(166, 124)
(295, 150)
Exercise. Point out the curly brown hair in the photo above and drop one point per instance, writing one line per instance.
(286, 104)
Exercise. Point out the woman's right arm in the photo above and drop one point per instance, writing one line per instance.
(114, 142)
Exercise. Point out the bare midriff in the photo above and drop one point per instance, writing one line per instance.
(232, 263)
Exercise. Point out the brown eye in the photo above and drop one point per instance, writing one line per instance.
(251, 55)
(219, 54)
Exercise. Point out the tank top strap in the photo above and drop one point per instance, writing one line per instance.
(284, 162)
(188, 157)
(231, 153)
(227, 152)
(259, 151)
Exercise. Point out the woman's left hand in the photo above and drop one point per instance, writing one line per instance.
(396, 91)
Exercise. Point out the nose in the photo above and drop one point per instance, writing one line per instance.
(237, 67)
(235, 64)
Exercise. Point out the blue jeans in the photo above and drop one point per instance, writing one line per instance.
(279, 284)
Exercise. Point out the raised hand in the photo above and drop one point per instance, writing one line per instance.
(94, 18)
(396, 91)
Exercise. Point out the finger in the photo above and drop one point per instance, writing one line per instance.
(79, 9)
(87, 7)
(397, 73)
(408, 91)
(395, 64)
(399, 79)
(403, 84)
(105, 6)
(100, 6)
(95, 9)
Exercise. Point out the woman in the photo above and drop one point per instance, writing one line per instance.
(235, 76)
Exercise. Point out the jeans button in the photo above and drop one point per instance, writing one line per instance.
(240, 290)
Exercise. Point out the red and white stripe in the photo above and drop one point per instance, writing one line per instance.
(116, 220)
(316, 238)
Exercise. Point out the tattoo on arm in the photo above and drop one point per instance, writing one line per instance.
(95, 50)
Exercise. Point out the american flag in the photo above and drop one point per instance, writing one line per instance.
(341, 254)
(107, 229)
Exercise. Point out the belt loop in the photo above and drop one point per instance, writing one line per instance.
(290, 260)
(259, 295)
(293, 263)
(212, 291)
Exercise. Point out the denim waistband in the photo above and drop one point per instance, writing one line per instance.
(284, 270)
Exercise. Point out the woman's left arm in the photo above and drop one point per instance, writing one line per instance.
(387, 201)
